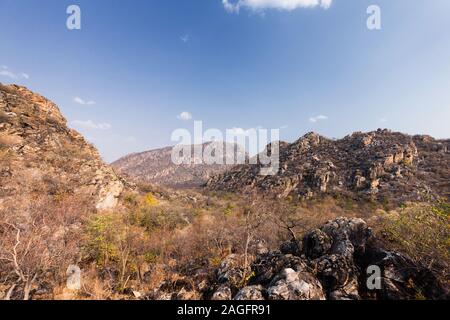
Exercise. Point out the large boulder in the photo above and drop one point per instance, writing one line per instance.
(294, 285)
(267, 266)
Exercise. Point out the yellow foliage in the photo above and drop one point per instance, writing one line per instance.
(150, 200)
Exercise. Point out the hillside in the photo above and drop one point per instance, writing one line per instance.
(381, 165)
(156, 167)
(40, 155)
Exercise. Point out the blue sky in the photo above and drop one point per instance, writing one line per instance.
(124, 79)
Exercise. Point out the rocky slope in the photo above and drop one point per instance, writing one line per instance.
(380, 165)
(156, 166)
(334, 262)
(39, 154)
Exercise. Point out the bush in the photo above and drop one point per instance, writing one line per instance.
(42, 235)
(150, 200)
(103, 233)
(422, 231)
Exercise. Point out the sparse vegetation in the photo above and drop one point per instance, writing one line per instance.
(422, 231)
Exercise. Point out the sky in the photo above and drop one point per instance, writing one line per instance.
(137, 70)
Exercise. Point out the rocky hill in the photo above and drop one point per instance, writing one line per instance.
(39, 154)
(382, 165)
(156, 166)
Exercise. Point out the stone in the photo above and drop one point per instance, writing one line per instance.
(73, 282)
(292, 285)
(230, 270)
(222, 293)
(316, 243)
(252, 293)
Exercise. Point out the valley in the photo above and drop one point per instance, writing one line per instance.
(146, 229)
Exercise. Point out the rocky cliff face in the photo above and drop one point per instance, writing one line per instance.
(380, 164)
(39, 154)
(156, 166)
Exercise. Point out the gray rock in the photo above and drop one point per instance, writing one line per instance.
(292, 285)
(252, 293)
(230, 270)
(222, 293)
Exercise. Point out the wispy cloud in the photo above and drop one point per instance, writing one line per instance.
(185, 38)
(234, 6)
(185, 116)
(318, 118)
(383, 120)
(4, 71)
(83, 102)
(89, 124)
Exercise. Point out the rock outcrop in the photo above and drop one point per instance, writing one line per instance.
(39, 154)
(380, 164)
(334, 263)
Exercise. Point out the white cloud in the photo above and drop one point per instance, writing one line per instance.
(185, 116)
(185, 38)
(383, 120)
(318, 118)
(89, 124)
(83, 102)
(7, 73)
(260, 5)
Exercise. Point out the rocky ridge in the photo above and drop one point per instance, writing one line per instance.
(156, 166)
(380, 164)
(40, 154)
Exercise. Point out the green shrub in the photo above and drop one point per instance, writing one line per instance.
(422, 231)
(103, 233)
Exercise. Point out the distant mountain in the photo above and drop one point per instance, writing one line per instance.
(156, 166)
(40, 155)
(380, 165)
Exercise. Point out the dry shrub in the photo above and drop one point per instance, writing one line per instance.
(7, 89)
(38, 240)
(422, 231)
